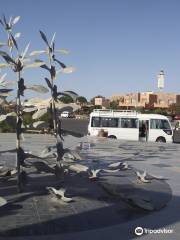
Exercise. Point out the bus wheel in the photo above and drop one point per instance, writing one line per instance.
(112, 136)
(160, 139)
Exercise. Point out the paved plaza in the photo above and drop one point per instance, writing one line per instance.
(94, 213)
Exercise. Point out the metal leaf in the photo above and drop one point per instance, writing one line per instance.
(33, 102)
(48, 83)
(34, 65)
(38, 88)
(40, 124)
(2, 83)
(34, 53)
(39, 113)
(67, 70)
(2, 44)
(63, 94)
(4, 65)
(71, 94)
(5, 94)
(2, 117)
(10, 43)
(11, 114)
(17, 35)
(60, 63)
(6, 57)
(10, 20)
(15, 20)
(45, 67)
(5, 22)
(2, 77)
(5, 83)
(44, 38)
(1, 22)
(25, 50)
(5, 90)
(14, 41)
(62, 51)
(29, 109)
(52, 40)
(25, 60)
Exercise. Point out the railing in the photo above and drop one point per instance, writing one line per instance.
(114, 111)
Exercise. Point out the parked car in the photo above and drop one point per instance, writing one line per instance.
(176, 117)
(65, 114)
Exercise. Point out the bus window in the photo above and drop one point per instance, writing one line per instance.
(113, 122)
(109, 122)
(129, 122)
(159, 124)
(104, 122)
(95, 122)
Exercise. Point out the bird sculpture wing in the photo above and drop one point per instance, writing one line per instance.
(60, 194)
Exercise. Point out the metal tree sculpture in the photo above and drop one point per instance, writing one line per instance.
(50, 51)
(18, 62)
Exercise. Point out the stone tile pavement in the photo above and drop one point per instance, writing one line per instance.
(93, 214)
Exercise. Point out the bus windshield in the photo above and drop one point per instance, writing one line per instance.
(159, 124)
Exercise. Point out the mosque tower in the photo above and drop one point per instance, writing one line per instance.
(160, 79)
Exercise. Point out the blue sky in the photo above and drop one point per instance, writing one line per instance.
(117, 46)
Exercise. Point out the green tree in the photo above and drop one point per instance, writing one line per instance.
(160, 111)
(174, 108)
(81, 100)
(114, 105)
(6, 127)
(66, 99)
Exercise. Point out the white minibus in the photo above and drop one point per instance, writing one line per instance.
(130, 125)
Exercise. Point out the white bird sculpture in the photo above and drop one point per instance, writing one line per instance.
(59, 194)
(115, 165)
(78, 168)
(142, 177)
(2, 201)
(118, 165)
(110, 170)
(94, 173)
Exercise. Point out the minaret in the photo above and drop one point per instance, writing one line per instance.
(160, 78)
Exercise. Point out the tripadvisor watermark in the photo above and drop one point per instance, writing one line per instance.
(140, 231)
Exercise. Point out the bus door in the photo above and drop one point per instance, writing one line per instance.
(143, 130)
